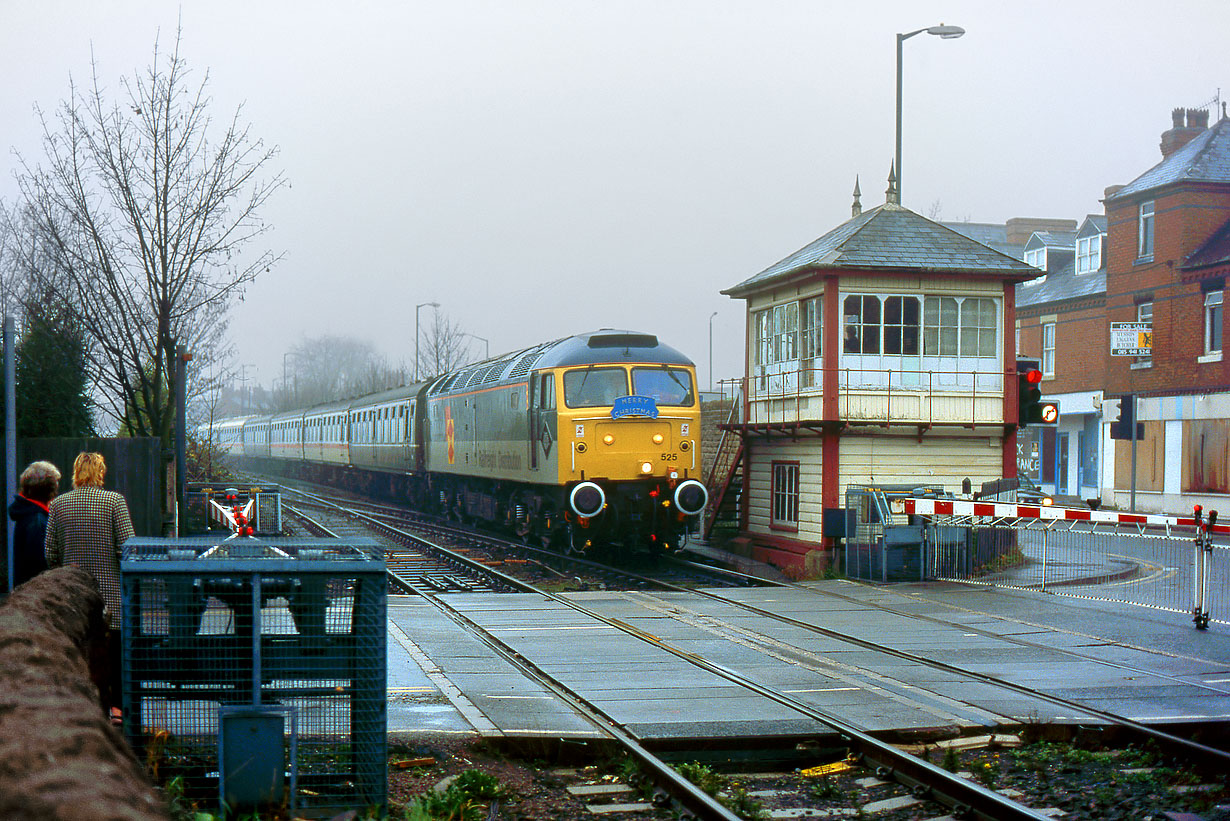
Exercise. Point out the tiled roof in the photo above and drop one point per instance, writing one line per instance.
(1060, 286)
(1096, 221)
(1053, 239)
(989, 234)
(1205, 159)
(1215, 251)
(891, 236)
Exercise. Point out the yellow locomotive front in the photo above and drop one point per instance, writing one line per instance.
(629, 452)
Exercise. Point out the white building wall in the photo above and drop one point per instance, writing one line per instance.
(940, 458)
(808, 453)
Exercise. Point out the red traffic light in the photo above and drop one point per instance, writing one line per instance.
(1033, 376)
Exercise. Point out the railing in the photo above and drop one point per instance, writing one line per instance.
(1161, 562)
(726, 457)
(884, 396)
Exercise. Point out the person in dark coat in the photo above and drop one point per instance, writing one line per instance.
(38, 486)
(86, 527)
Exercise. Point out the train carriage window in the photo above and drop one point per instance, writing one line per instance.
(594, 387)
(667, 386)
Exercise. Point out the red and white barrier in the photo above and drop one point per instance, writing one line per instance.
(1009, 510)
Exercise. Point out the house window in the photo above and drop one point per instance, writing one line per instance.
(1145, 230)
(901, 325)
(1048, 349)
(1212, 322)
(1144, 313)
(1036, 258)
(785, 496)
(861, 317)
(979, 326)
(1089, 254)
(940, 320)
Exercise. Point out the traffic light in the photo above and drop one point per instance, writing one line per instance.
(1031, 410)
(1121, 428)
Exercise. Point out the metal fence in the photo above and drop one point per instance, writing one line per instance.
(255, 669)
(899, 533)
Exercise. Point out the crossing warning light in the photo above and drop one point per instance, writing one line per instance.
(1031, 410)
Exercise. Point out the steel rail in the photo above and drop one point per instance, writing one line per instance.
(1217, 759)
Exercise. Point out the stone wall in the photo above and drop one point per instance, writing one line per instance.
(59, 755)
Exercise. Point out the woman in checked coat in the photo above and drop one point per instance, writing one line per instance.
(86, 527)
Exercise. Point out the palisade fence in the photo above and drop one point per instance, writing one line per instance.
(1169, 563)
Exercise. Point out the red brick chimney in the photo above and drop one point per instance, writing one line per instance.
(1179, 136)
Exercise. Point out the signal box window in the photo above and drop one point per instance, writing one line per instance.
(901, 325)
(785, 496)
(861, 317)
(667, 386)
(594, 387)
(978, 327)
(941, 322)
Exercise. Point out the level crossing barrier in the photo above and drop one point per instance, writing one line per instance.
(1178, 564)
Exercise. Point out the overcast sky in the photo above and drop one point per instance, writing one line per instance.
(543, 167)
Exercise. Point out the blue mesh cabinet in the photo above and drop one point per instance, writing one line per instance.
(255, 669)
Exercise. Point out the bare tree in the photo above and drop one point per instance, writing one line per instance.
(139, 215)
(444, 346)
(327, 368)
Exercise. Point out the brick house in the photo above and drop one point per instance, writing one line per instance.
(1061, 322)
(1168, 255)
(882, 352)
(1160, 254)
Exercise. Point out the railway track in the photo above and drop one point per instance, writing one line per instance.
(919, 779)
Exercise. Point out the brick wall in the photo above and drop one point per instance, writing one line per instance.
(1183, 220)
(1081, 344)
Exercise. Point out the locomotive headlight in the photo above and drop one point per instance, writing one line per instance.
(609, 439)
(587, 500)
(658, 438)
(646, 467)
(691, 497)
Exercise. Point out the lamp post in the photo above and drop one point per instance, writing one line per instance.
(711, 316)
(487, 355)
(944, 33)
(416, 334)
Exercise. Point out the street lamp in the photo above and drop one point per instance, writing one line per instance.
(944, 33)
(480, 339)
(711, 316)
(416, 334)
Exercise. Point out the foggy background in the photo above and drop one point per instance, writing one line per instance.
(546, 168)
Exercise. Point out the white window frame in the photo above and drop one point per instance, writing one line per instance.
(1048, 349)
(1036, 258)
(784, 496)
(1089, 254)
(1144, 231)
(1214, 317)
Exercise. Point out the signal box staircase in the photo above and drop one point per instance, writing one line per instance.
(725, 478)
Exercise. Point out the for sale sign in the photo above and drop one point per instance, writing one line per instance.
(1131, 338)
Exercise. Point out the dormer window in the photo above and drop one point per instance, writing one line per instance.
(1036, 258)
(1089, 254)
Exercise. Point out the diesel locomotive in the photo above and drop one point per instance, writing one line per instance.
(588, 441)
